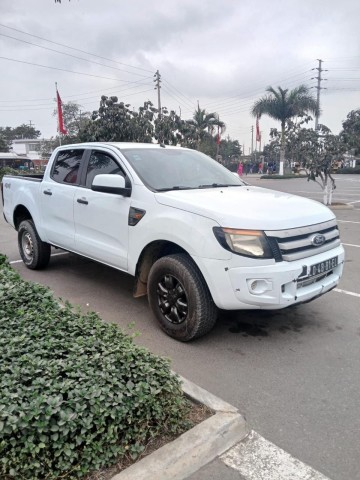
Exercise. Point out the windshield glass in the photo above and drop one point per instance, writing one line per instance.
(175, 169)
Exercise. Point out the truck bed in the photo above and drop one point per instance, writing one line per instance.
(36, 177)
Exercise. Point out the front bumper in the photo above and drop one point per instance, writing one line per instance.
(278, 284)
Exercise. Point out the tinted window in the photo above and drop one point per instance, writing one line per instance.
(66, 167)
(100, 163)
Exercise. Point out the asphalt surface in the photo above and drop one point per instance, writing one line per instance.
(293, 374)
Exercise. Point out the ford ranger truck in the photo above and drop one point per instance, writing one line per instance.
(195, 236)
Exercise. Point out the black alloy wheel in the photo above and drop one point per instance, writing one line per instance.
(172, 299)
(180, 298)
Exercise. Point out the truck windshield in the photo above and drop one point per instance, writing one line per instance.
(163, 169)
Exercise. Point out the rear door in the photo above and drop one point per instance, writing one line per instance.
(57, 197)
(101, 219)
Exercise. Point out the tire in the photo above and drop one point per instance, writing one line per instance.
(34, 252)
(180, 299)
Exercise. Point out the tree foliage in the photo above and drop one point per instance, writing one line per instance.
(114, 121)
(8, 134)
(351, 131)
(206, 124)
(283, 105)
(117, 122)
(316, 151)
(75, 121)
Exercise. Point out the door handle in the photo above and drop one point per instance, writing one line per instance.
(47, 192)
(83, 201)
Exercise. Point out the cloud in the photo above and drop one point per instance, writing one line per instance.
(223, 54)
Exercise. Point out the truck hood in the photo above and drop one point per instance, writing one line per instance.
(248, 207)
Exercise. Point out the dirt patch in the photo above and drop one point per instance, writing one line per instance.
(198, 413)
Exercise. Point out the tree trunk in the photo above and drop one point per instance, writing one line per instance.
(282, 149)
(328, 191)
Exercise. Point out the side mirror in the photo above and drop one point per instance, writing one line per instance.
(111, 184)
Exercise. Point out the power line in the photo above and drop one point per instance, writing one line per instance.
(188, 99)
(63, 70)
(73, 56)
(73, 48)
(76, 94)
(175, 97)
(260, 87)
(86, 98)
(83, 104)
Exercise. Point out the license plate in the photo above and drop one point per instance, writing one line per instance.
(323, 267)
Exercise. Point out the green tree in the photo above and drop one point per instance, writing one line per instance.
(316, 151)
(168, 127)
(115, 122)
(75, 120)
(8, 134)
(25, 131)
(206, 124)
(351, 131)
(283, 105)
(230, 151)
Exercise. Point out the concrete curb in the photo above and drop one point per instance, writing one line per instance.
(195, 448)
(345, 206)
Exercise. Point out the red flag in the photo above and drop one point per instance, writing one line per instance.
(61, 127)
(258, 134)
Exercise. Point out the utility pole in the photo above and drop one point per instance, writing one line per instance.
(157, 87)
(30, 124)
(318, 88)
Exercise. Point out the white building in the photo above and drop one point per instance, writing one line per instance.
(31, 149)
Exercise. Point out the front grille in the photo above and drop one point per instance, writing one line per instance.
(310, 280)
(295, 243)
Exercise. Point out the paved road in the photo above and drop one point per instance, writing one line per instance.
(294, 374)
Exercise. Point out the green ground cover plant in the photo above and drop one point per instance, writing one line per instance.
(282, 177)
(346, 170)
(75, 393)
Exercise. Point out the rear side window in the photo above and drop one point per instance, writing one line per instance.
(99, 163)
(67, 165)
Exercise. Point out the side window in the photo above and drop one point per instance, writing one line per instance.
(66, 166)
(101, 162)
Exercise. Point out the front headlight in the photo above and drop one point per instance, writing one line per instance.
(250, 243)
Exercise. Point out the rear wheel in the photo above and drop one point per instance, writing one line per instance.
(180, 298)
(34, 252)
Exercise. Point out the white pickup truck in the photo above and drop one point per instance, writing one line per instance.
(195, 237)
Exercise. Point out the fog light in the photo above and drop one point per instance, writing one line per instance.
(259, 286)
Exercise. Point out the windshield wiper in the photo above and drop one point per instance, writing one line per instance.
(216, 185)
(176, 187)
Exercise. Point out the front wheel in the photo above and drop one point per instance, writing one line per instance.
(34, 252)
(180, 298)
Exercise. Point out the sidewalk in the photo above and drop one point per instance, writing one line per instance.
(220, 448)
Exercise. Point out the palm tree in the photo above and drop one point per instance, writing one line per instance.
(282, 105)
(206, 123)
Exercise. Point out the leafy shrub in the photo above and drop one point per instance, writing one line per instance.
(9, 171)
(349, 170)
(282, 177)
(76, 393)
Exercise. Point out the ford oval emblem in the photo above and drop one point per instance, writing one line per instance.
(318, 239)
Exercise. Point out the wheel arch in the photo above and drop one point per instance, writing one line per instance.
(21, 213)
(150, 253)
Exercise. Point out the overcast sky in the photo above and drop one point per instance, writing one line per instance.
(221, 53)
